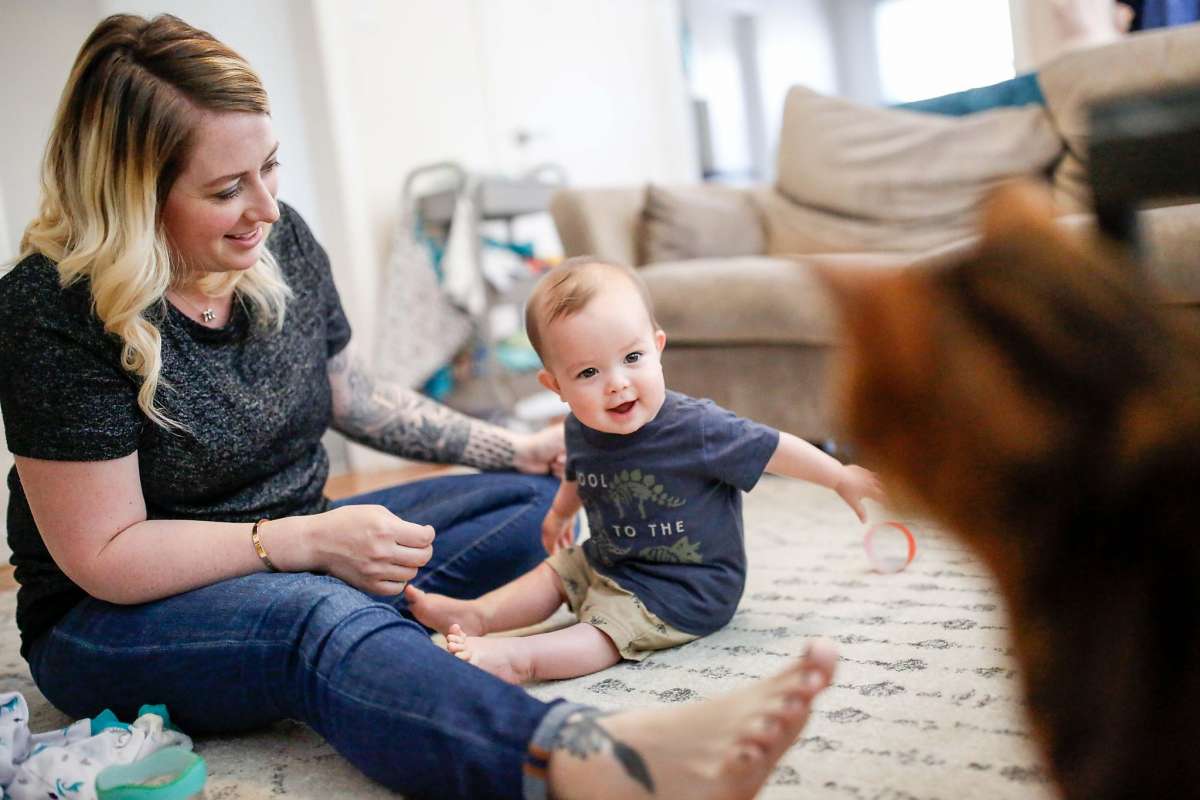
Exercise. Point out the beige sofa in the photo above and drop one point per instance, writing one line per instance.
(730, 269)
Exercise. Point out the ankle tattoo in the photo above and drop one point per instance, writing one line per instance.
(582, 736)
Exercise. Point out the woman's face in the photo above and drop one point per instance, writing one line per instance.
(220, 210)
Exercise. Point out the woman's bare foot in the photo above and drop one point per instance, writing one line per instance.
(720, 749)
(505, 658)
(439, 612)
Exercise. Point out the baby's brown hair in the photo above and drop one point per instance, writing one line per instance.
(569, 287)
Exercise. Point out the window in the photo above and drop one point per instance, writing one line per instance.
(929, 48)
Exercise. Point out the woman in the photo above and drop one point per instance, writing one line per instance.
(172, 347)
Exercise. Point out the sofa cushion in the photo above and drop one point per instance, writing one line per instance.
(748, 300)
(1142, 62)
(698, 222)
(905, 166)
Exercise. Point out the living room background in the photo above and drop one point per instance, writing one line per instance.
(363, 92)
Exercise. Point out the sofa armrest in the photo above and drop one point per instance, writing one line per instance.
(600, 222)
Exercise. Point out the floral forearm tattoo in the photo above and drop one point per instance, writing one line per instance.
(405, 423)
(582, 737)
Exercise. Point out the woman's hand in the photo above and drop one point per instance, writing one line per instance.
(541, 452)
(558, 531)
(369, 547)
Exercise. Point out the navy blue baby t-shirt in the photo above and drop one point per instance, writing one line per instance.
(664, 505)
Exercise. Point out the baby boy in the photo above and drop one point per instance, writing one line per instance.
(660, 476)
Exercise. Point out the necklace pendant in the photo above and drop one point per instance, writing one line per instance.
(208, 315)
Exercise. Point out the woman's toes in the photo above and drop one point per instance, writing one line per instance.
(816, 682)
(796, 703)
(771, 727)
(748, 755)
(821, 658)
(766, 734)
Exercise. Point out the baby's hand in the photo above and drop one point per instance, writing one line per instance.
(856, 484)
(558, 531)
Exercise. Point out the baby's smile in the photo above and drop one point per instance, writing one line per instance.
(623, 408)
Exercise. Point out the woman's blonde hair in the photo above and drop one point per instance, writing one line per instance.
(123, 131)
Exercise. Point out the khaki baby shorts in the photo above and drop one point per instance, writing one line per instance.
(598, 600)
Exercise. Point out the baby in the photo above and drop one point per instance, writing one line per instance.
(660, 476)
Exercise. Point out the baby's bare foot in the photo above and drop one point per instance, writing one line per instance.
(439, 612)
(503, 657)
(720, 749)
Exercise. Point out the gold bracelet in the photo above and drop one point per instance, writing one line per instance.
(256, 540)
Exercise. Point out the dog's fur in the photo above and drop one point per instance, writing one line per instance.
(1034, 398)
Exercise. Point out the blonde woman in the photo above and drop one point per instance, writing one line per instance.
(172, 348)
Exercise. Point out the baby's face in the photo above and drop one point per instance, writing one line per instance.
(604, 361)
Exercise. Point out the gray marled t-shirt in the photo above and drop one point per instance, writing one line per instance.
(256, 403)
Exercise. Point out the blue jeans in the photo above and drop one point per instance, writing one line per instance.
(249, 651)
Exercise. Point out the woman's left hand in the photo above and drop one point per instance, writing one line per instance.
(541, 452)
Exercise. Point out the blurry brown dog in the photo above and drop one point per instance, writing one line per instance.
(1035, 399)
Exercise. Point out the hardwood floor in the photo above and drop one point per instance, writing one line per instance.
(354, 483)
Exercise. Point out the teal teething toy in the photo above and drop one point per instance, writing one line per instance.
(168, 774)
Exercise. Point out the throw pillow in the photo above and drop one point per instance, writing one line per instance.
(698, 222)
(1022, 90)
(905, 166)
(795, 229)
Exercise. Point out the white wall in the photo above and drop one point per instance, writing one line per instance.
(598, 84)
(7, 247)
(714, 77)
(855, 48)
(39, 43)
(404, 84)
(795, 45)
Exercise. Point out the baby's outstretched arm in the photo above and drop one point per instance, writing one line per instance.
(796, 458)
(558, 526)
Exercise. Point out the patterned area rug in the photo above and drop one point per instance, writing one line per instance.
(925, 705)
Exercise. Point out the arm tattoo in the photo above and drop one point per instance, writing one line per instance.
(405, 423)
(582, 736)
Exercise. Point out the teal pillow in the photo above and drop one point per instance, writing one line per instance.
(1022, 90)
